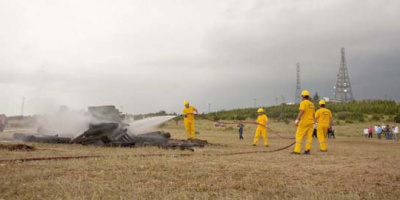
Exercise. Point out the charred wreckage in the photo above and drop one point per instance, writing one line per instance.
(114, 133)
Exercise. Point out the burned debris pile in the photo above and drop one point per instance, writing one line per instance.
(41, 138)
(116, 135)
(103, 133)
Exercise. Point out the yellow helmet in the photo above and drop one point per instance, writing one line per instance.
(305, 93)
(260, 110)
(322, 102)
(186, 102)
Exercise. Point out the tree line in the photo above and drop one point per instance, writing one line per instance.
(349, 112)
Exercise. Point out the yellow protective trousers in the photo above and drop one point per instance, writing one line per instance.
(322, 132)
(190, 132)
(304, 130)
(263, 132)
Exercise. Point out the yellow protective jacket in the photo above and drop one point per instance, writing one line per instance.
(189, 111)
(262, 121)
(323, 115)
(309, 110)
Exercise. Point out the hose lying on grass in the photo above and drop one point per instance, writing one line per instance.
(244, 122)
(139, 155)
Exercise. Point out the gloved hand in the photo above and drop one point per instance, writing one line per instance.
(296, 123)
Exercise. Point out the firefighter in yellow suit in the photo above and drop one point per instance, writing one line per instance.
(188, 119)
(323, 118)
(262, 121)
(304, 123)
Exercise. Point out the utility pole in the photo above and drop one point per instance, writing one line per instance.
(22, 106)
(255, 103)
(343, 91)
(209, 107)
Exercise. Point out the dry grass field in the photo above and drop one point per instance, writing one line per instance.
(353, 168)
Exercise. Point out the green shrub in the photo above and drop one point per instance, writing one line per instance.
(376, 117)
(350, 116)
(397, 118)
(253, 115)
(240, 117)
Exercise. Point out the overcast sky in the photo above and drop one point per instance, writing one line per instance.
(151, 55)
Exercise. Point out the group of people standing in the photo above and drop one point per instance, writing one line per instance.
(305, 121)
(388, 132)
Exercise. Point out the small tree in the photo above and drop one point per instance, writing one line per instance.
(316, 97)
(161, 113)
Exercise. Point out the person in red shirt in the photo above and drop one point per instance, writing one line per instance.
(370, 131)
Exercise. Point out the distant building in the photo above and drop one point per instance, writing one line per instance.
(326, 99)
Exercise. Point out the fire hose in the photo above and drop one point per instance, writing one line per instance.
(161, 155)
(245, 122)
(140, 155)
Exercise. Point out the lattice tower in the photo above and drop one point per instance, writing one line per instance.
(298, 90)
(343, 91)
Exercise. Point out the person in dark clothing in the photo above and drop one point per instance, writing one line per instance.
(240, 126)
(331, 133)
(314, 134)
(387, 132)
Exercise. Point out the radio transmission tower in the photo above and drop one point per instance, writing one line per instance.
(343, 91)
(297, 98)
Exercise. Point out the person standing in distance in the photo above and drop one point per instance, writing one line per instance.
(323, 119)
(188, 119)
(262, 121)
(304, 123)
(240, 130)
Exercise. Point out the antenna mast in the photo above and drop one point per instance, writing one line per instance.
(297, 98)
(343, 91)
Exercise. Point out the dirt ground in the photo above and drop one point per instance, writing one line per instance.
(353, 168)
